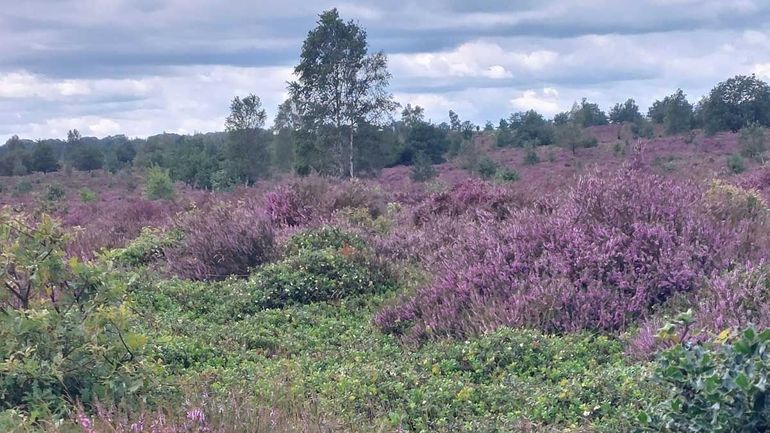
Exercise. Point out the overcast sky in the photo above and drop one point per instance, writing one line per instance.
(141, 67)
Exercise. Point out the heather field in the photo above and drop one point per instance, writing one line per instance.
(612, 289)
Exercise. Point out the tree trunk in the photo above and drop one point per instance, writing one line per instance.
(351, 151)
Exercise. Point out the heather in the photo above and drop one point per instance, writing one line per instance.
(317, 304)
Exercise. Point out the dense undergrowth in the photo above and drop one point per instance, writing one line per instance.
(326, 306)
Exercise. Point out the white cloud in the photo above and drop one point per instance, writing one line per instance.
(545, 101)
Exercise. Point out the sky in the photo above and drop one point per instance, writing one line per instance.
(142, 67)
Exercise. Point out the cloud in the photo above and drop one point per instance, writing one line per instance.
(545, 101)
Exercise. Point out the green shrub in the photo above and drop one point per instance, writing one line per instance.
(147, 247)
(65, 333)
(735, 164)
(507, 175)
(752, 141)
(23, 187)
(326, 237)
(317, 275)
(55, 192)
(422, 169)
(487, 167)
(530, 156)
(158, 184)
(87, 196)
(717, 386)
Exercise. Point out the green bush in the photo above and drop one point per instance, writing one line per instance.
(422, 169)
(65, 334)
(717, 386)
(507, 175)
(487, 167)
(752, 141)
(735, 164)
(55, 192)
(23, 187)
(326, 237)
(87, 196)
(317, 275)
(147, 247)
(530, 156)
(158, 184)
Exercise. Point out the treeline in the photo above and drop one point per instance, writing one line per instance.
(338, 120)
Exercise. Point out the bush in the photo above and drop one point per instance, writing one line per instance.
(315, 276)
(147, 247)
(752, 142)
(158, 184)
(422, 169)
(65, 333)
(507, 175)
(606, 256)
(718, 386)
(222, 241)
(23, 187)
(735, 164)
(286, 207)
(55, 192)
(530, 156)
(326, 237)
(87, 196)
(487, 168)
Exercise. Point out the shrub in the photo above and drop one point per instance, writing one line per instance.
(286, 207)
(717, 386)
(65, 333)
(469, 197)
(752, 141)
(222, 241)
(487, 168)
(55, 192)
(507, 175)
(22, 187)
(422, 169)
(147, 247)
(326, 237)
(317, 275)
(612, 250)
(530, 156)
(158, 184)
(735, 164)
(87, 196)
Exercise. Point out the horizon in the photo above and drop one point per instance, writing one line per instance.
(141, 68)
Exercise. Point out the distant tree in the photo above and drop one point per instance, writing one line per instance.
(43, 158)
(287, 118)
(427, 140)
(73, 136)
(339, 86)
(674, 112)
(422, 169)
(561, 118)
(572, 137)
(454, 121)
(467, 128)
(246, 154)
(530, 128)
(735, 103)
(625, 112)
(489, 126)
(412, 116)
(587, 114)
(158, 184)
(14, 159)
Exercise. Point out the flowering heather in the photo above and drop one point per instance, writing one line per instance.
(612, 249)
(227, 239)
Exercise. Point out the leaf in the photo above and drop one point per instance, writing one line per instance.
(743, 382)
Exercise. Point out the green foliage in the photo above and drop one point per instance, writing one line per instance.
(736, 164)
(626, 112)
(571, 136)
(326, 237)
(146, 248)
(674, 112)
(642, 128)
(718, 386)
(43, 158)
(507, 175)
(422, 170)
(55, 192)
(752, 142)
(487, 167)
(86, 156)
(64, 330)
(736, 103)
(158, 184)
(587, 114)
(22, 187)
(87, 196)
(526, 128)
(246, 152)
(530, 156)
